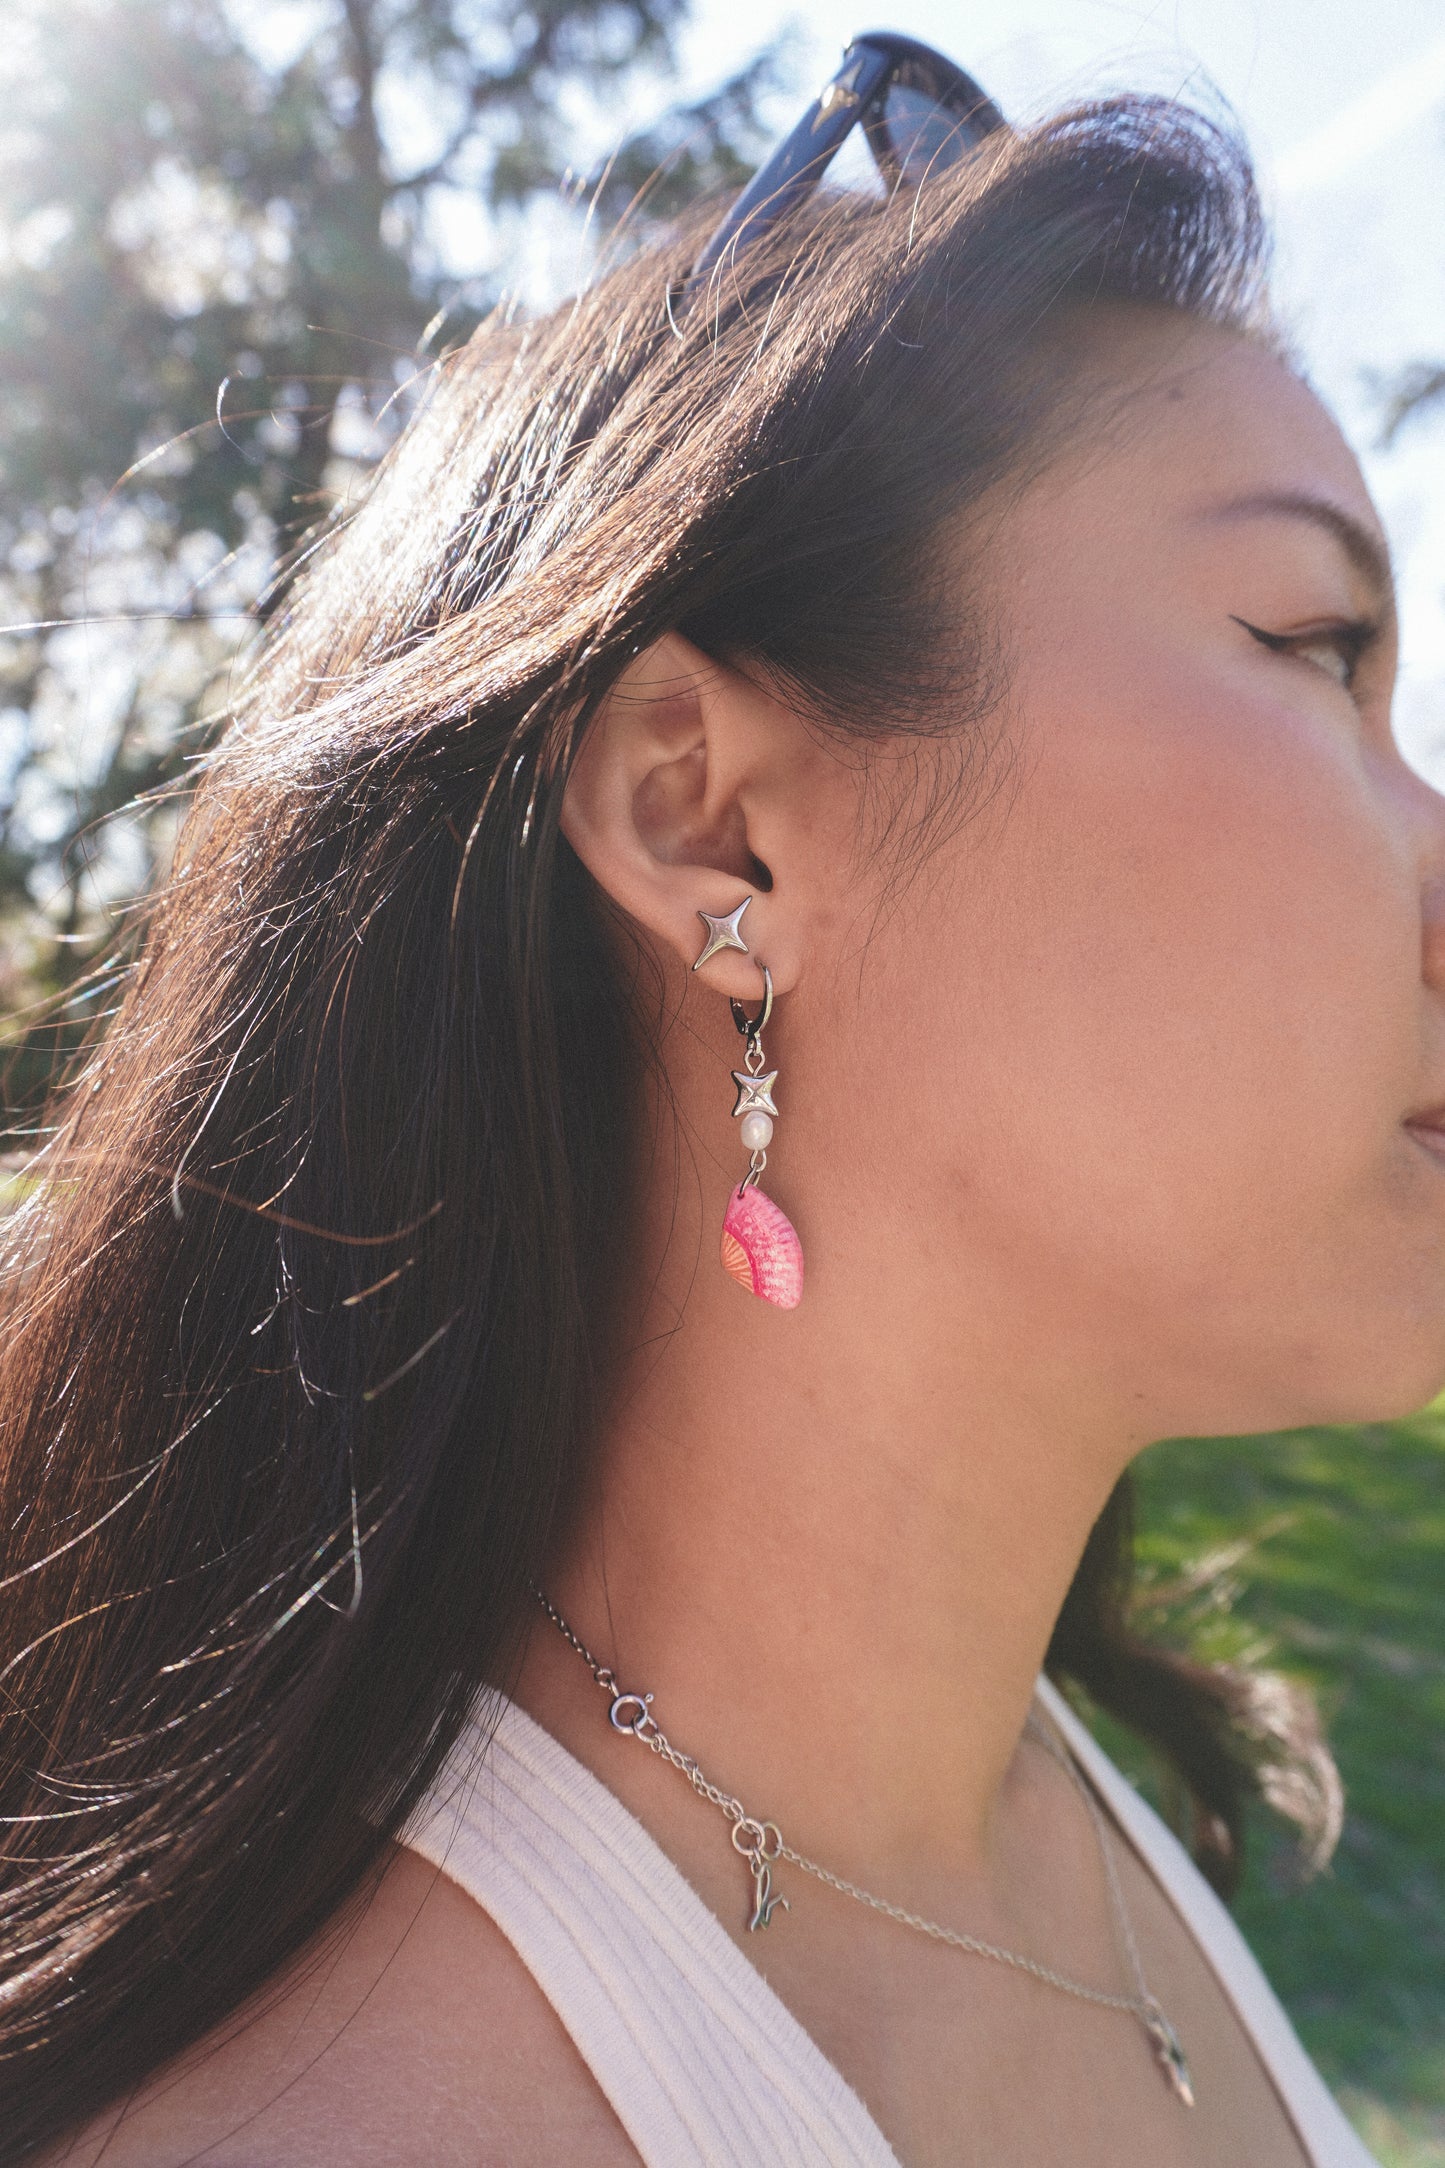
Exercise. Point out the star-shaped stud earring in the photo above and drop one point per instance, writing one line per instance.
(755, 1093)
(722, 933)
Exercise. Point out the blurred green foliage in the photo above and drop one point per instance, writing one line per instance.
(227, 237)
(1324, 1552)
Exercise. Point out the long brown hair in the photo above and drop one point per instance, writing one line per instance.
(299, 1359)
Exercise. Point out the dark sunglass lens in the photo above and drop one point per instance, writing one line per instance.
(922, 135)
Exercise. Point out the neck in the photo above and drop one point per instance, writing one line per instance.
(834, 1553)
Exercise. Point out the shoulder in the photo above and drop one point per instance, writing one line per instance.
(413, 2037)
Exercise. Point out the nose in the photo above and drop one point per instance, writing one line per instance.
(1425, 815)
(1432, 905)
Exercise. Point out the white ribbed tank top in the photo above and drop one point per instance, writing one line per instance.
(703, 2064)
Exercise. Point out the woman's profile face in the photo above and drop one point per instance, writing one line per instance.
(1171, 1003)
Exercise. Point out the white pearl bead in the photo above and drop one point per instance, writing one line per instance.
(756, 1131)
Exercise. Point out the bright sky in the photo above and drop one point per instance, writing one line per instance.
(1343, 102)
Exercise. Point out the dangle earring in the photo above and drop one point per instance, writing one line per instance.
(760, 1246)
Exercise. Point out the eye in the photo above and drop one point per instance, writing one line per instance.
(1328, 655)
(1335, 649)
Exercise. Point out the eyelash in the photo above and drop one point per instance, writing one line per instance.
(1351, 641)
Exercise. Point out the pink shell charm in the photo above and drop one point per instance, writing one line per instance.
(761, 1250)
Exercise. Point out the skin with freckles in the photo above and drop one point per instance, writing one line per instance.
(1110, 1122)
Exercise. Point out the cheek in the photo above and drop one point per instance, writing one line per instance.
(1183, 1013)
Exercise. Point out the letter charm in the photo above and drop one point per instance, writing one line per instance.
(759, 1843)
(1169, 2050)
(765, 1904)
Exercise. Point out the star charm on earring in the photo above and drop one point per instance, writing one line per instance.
(722, 933)
(755, 1093)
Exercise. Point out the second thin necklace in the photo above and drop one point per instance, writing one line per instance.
(761, 1845)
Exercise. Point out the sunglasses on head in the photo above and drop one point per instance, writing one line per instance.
(918, 111)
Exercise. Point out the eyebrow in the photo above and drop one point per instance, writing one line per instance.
(1360, 544)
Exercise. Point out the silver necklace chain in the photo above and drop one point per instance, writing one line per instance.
(761, 1845)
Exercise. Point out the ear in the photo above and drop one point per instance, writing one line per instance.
(693, 789)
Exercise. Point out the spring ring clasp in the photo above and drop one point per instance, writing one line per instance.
(630, 1712)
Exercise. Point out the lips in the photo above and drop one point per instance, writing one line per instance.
(1429, 1129)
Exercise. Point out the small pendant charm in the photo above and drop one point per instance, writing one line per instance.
(760, 1843)
(1170, 2054)
(765, 1904)
(755, 1094)
(761, 1250)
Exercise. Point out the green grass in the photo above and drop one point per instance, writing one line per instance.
(1343, 1585)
